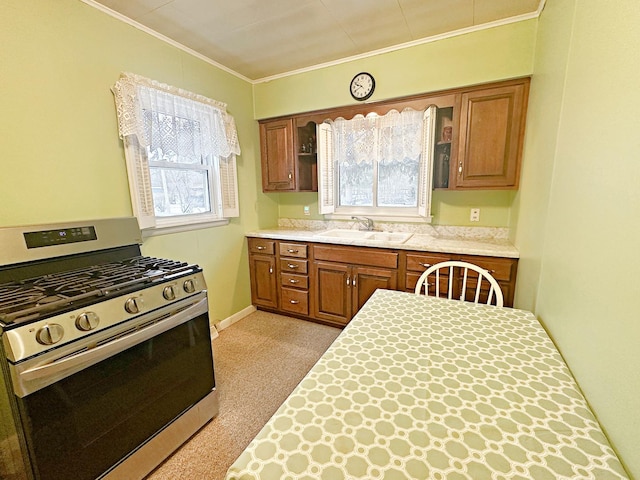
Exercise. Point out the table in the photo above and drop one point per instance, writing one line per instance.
(422, 387)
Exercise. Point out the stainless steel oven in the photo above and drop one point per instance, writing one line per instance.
(106, 356)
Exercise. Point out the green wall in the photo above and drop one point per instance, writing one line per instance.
(579, 205)
(488, 55)
(61, 156)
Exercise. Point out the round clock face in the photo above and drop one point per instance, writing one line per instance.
(362, 86)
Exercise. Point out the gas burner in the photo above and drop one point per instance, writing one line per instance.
(54, 293)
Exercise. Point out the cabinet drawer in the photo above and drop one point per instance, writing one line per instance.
(294, 281)
(295, 301)
(353, 255)
(501, 268)
(419, 262)
(412, 280)
(259, 245)
(296, 250)
(296, 266)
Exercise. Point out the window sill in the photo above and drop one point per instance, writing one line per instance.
(169, 229)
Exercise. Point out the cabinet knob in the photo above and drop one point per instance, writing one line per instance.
(348, 280)
(355, 277)
(270, 269)
(290, 175)
(460, 168)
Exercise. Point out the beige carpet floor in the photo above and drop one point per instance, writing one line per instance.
(258, 362)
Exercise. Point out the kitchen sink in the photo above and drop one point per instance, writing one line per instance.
(382, 237)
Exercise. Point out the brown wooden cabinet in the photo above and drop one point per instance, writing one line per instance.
(277, 153)
(294, 278)
(288, 155)
(502, 269)
(478, 144)
(262, 273)
(490, 138)
(345, 277)
(330, 283)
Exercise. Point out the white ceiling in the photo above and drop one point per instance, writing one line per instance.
(264, 38)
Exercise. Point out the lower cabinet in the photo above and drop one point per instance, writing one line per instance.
(502, 269)
(294, 278)
(262, 271)
(341, 289)
(330, 283)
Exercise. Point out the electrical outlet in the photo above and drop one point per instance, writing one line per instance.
(475, 215)
(306, 210)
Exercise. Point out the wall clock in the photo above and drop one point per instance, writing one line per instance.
(362, 86)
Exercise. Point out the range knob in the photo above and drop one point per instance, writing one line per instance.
(189, 286)
(49, 334)
(133, 304)
(87, 321)
(169, 293)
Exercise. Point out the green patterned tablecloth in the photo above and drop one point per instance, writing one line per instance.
(419, 387)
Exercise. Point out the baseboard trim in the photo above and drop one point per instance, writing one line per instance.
(227, 322)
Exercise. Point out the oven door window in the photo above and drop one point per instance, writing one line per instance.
(83, 425)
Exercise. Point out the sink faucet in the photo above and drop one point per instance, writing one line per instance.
(365, 223)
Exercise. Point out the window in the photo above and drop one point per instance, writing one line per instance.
(377, 165)
(180, 150)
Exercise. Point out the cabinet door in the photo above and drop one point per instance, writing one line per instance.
(332, 289)
(366, 280)
(276, 149)
(491, 134)
(262, 270)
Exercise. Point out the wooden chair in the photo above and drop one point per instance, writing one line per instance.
(463, 279)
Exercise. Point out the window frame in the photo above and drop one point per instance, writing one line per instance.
(221, 172)
(329, 184)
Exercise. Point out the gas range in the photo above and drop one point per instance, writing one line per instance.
(49, 302)
(106, 362)
(56, 309)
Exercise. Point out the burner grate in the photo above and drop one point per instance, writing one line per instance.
(31, 298)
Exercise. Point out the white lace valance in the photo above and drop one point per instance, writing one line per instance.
(138, 98)
(393, 137)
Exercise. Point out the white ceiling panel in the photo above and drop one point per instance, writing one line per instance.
(259, 39)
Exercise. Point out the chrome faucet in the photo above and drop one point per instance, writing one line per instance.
(365, 223)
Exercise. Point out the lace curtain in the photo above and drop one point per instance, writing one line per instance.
(392, 137)
(142, 102)
(378, 158)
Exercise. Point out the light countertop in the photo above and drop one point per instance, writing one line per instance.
(492, 247)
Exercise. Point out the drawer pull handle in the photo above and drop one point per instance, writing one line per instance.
(260, 247)
(291, 265)
(294, 302)
(294, 281)
(290, 250)
(355, 277)
(270, 269)
(348, 280)
(425, 265)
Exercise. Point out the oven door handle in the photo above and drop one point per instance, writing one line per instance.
(36, 378)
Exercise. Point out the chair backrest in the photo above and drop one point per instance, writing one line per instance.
(456, 274)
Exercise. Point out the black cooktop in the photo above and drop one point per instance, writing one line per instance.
(45, 295)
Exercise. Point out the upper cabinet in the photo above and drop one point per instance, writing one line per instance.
(288, 152)
(478, 144)
(276, 150)
(490, 137)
